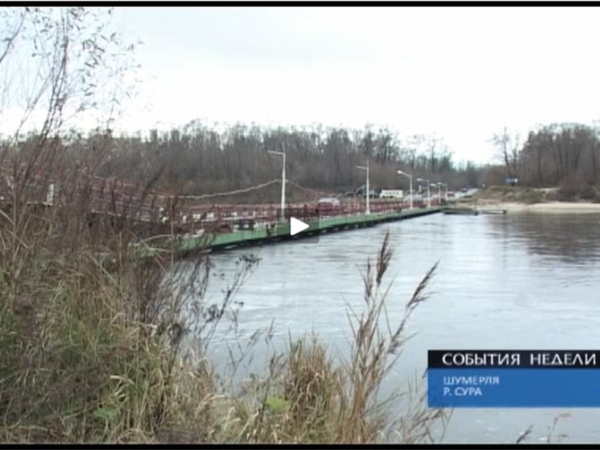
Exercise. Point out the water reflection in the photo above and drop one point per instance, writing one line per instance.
(571, 239)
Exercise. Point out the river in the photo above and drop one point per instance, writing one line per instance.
(519, 281)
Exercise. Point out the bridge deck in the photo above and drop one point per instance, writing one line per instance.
(225, 241)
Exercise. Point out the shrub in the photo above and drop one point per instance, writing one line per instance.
(571, 187)
(590, 193)
(531, 196)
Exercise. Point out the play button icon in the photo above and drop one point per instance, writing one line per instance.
(297, 226)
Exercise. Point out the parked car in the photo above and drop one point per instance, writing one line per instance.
(328, 204)
(360, 192)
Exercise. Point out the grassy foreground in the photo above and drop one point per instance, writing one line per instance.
(91, 348)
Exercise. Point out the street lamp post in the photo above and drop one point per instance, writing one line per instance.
(366, 168)
(445, 190)
(282, 184)
(423, 180)
(409, 175)
(439, 191)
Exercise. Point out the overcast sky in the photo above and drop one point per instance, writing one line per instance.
(461, 73)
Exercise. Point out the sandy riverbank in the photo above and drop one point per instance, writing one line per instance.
(548, 207)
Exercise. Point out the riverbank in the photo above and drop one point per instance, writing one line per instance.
(518, 200)
(546, 208)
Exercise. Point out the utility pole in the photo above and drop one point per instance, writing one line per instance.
(409, 175)
(282, 184)
(368, 193)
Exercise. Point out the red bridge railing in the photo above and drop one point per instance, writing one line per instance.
(115, 197)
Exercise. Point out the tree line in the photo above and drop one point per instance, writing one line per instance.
(199, 159)
(205, 159)
(554, 155)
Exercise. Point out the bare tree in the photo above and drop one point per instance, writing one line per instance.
(62, 66)
(507, 150)
(60, 69)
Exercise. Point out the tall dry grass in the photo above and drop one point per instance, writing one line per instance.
(310, 396)
(92, 336)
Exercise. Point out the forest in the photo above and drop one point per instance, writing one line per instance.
(552, 155)
(202, 160)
